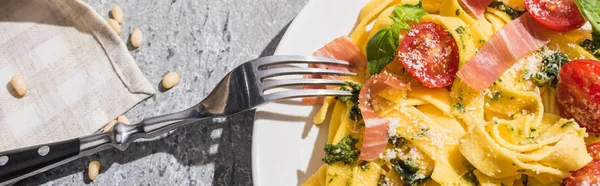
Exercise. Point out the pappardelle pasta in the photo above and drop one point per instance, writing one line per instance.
(463, 92)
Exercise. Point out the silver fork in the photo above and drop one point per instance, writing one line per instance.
(242, 89)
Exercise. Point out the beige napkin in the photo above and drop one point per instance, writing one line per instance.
(79, 73)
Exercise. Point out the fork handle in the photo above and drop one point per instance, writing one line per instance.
(17, 162)
(158, 125)
(24, 162)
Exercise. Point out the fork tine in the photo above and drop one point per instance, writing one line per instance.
(304, 93)
(292, 71)
(286, 59)
(292, 82)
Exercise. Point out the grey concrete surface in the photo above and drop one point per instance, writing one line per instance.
(202, 40)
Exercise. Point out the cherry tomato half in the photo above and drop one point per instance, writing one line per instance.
(590, 174)
(557, 15)
(429, 54)
(578, 93)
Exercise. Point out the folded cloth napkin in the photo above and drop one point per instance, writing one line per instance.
(79, 73)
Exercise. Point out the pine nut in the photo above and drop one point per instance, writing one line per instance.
(115, 26)
(117, 13)
(170, 80)
(136, 37)
(109, 125)
(123, 119)
(93, 170)
(18, 83)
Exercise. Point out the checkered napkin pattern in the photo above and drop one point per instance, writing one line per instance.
(79, 73)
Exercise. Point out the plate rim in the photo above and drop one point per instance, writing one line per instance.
(290, 36)
(254, 151)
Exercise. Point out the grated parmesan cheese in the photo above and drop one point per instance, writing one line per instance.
(393, 125)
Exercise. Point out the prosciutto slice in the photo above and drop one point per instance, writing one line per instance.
(515, 40)
(376, 127)
(341, 48)
(476, 7)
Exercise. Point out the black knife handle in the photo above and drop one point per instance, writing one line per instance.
(17, 162)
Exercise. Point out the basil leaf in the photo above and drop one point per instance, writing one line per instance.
(407, 13)
(382, 47)
(375, 66)
(591, 10)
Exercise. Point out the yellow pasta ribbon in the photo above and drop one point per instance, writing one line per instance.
(466, 102)
(546, 164)
(382, 21)
(336, 119)
(346, 126)
(485, 180)
(572, 49)
(318, 178)
(432, 139)
(367, 14)
(524, 140)
(352, 174)
(508, 131)
(515, 4)
(480, 29)
(439, 97)
(500, 14)
(432, 6)
(549, 100)
(322, 113)
(497, 23)
(577, 36)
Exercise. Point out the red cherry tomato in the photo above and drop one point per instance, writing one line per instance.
(594, 150)
(557, 15)
(578, 93)
(590, 174)
(429, 54)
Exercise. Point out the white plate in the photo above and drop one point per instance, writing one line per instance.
(286, 147)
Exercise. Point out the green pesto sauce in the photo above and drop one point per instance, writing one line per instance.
(460, 30)
(344, 151)
(459, 107)
(506, 9)
(566, 124)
